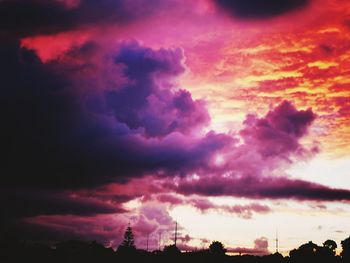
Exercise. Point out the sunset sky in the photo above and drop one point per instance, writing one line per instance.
(230, 117)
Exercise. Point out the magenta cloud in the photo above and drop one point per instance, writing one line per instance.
(148, 102)
(279, 132)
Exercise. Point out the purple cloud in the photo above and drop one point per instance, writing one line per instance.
(252, 169)
(53, 140)
(278, 133)
(149, 101)
(89, 146)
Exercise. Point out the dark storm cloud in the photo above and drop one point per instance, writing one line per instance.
(262, 188)
(59, 134)
(259, 9)
(52, 138)
(29, 17)
(23, 202)
(146, 104)
(63, 131)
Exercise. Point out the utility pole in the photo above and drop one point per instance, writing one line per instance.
(175, 233)
(147, 242)
(276, 240)
(159, 239)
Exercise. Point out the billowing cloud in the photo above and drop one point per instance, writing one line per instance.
(75, 137)
(59, 136)
(279, 132)
(260, 9)
(147, 102)
(252, 169)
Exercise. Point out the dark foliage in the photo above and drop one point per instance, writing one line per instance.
(216, 248)
(128, 245)
(88, 252)
(346, 249)
(171, 251)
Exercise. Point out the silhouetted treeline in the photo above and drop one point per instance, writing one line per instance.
(88, 252)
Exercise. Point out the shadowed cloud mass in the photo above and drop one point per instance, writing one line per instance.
(69, 143)
(104, 134)
(62, 137)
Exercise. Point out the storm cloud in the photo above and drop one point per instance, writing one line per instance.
(97, 117)
(63, 142)
(60, 136)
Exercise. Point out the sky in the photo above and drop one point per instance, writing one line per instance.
(231, 118)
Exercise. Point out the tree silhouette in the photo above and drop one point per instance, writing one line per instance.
(171, 250)
(327, 252)
(345, 254)
(330, 244)
(305, 253)
(216, 248)
(128, 244)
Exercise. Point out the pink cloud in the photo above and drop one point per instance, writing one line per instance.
(243, 211)
(204, 205)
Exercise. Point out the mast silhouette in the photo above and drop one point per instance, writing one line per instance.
(147, 242)
(175, 233)
(276, 241)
